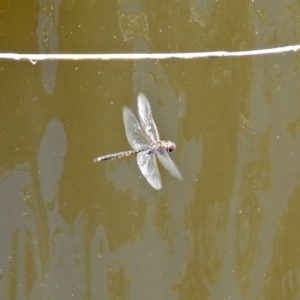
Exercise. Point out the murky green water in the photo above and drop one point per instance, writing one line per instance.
(72, 229)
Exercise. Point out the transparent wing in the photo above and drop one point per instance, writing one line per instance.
(146, 119)
(148, 167)
(168, 164)
(135, 134)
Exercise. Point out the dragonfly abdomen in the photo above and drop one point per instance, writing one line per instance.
(117, 155)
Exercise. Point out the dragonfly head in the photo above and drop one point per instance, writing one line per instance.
(170, 146)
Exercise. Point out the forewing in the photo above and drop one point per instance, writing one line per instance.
(146, 119)
(135, 134)
(148, 167)
(168, 164)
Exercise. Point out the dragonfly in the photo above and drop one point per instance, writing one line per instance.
(143, 137)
